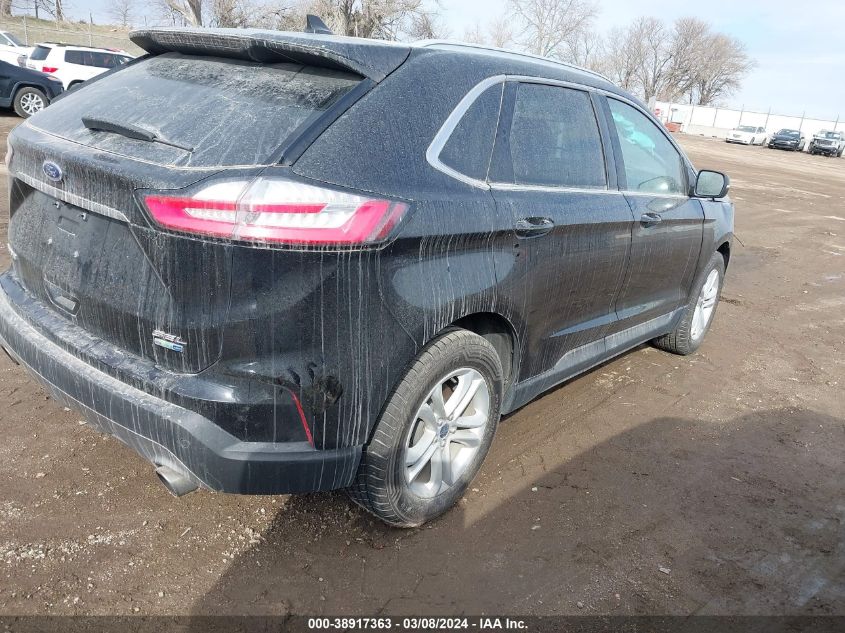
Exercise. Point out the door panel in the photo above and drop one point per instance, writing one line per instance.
(665, 244)
(567, 279)
(571, 232)
(668, 224)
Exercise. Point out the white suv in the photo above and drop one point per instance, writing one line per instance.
(74, 64)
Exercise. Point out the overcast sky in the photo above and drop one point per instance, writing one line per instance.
(799, 46)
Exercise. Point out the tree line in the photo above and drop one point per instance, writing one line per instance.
(686, 60)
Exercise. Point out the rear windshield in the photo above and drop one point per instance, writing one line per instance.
(230, 112)
(96, 59)
(40, 53)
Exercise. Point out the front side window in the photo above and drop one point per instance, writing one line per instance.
(554, 139)
(652, 164)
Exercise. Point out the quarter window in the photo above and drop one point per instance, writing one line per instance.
(554, 139)
(40, 53)
(470, 146)
(652, 164)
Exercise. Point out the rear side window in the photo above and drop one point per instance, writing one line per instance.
(470, 146)
(96, 59)
(230, 112)
(554, 139)
(652, 164)
(40, 53)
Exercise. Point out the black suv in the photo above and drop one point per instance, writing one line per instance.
(26, 91)
(280, 262)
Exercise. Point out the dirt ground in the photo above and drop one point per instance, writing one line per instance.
(655, 484)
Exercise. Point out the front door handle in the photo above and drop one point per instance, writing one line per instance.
(533, 227)
(650, 219)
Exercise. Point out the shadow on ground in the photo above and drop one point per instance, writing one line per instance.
(674, 516)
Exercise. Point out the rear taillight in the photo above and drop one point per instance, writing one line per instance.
(277, 211)
(48, 69)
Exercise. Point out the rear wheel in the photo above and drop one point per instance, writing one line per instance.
(28, 101)
(434, 432)
(698, 314)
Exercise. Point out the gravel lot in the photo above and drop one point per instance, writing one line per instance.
(710, 484)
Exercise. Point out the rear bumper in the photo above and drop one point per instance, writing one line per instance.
(168, 435)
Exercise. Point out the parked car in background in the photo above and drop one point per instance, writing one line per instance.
(26, 91)
(747, 135)
(828, 143)
(787, 139)
(74, 64)
(347, 287)
(11, 47)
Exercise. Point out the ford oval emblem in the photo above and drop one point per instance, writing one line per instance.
(52, 170)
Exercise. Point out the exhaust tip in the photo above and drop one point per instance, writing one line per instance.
(177, 483)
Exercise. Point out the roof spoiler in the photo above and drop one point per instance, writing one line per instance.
(373, 59)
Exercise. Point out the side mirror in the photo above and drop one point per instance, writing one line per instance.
(711, 184)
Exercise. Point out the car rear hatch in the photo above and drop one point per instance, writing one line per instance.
(83, 242)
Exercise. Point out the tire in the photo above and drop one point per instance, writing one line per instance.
(385, 484)
(688, 335)
(27, 102)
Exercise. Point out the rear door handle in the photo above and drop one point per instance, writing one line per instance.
(650, 219)
(533, 227)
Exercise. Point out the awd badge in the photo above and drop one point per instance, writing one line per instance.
(168, 341)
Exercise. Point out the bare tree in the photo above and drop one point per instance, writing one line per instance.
(122, 11)
(548, 24)
(687, 60)
(622, 57)
(382, 19)
(586, 49)
(427, 26)
(228, 13)
(689, 40)
(190, 11)
(500, 32)
(723, 65)
(54, 8)
(474, 34)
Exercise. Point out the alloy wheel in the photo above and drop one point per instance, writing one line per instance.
(447, 432)
(705, 305)
(31, 103)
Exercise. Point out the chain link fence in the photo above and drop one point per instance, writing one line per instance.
(32, 31)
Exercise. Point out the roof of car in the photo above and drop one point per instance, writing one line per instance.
(368, 57)
(504, 53)
(75, 47)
